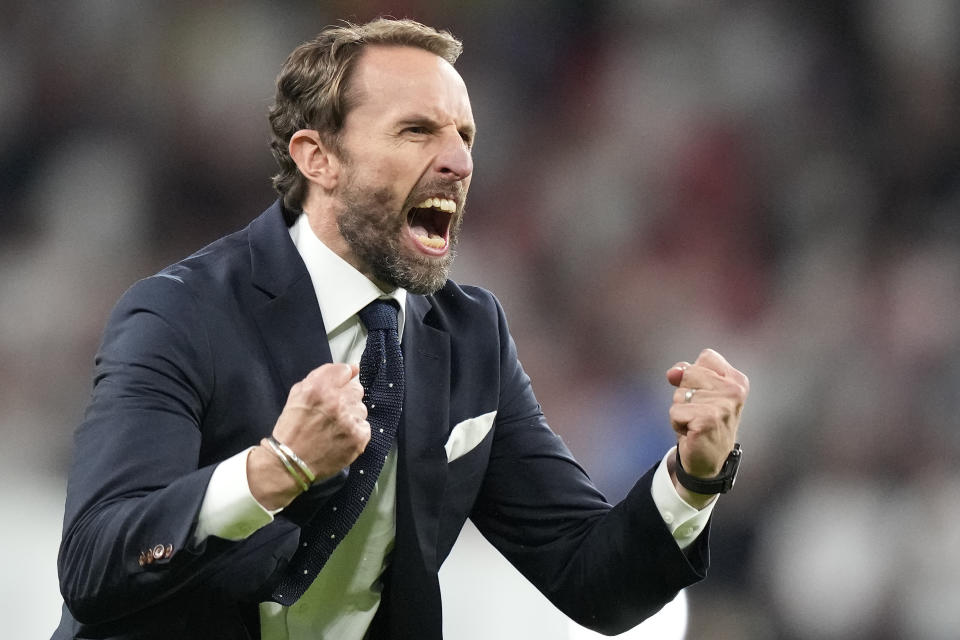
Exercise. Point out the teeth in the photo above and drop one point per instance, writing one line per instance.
(435, 242)
(443, 204)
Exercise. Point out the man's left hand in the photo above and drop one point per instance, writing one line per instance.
(705, 414)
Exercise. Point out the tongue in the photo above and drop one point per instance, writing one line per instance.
(418, 224)
(420, 230)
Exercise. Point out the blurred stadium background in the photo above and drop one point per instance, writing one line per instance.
(778, 180)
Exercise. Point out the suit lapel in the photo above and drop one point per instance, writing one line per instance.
(288, 318)
(422, 469)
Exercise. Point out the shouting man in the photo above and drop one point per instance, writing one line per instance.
(289, 428)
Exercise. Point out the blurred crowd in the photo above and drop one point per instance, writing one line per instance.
(777, 180)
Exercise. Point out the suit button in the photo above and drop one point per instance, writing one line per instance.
(168, 551)
(158, 552)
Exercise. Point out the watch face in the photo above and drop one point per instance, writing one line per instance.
(731, 467)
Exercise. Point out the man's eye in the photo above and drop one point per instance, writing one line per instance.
(416, 130)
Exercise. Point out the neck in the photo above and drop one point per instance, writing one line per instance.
(323, 223)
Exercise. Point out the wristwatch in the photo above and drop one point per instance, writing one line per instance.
(720, 483)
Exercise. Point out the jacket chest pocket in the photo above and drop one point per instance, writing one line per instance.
(465, 476)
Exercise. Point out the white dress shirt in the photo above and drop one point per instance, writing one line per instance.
(344, 597)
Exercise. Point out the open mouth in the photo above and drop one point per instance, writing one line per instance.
(429, 224)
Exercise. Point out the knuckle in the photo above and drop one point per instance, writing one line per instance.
(716, 414)
(308, 391)
(734, 390)
(738, 392)
(330, 395)
(320, 400)
(362, 439)
(346, 405)
(340, 374)
(295, 390)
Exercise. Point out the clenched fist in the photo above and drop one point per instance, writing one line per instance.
(705, 414)
(324, 422)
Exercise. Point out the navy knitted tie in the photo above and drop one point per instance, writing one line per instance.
(381, 375)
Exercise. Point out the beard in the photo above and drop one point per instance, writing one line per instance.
(373, 228)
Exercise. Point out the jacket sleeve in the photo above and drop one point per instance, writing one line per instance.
(607, 568)
(135, 485)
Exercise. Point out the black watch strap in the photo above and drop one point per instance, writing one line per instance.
(720, 483)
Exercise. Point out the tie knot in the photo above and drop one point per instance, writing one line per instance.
(380, 314)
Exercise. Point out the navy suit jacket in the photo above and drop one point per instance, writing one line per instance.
(196, 364)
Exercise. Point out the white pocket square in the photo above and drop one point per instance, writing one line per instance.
(468, 434)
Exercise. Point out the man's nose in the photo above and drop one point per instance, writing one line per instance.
(454, 160)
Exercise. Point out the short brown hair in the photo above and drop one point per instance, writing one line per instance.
(312, 87)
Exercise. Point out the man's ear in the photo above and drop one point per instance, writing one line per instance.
(316, 161)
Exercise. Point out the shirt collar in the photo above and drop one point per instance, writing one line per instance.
(341, 290)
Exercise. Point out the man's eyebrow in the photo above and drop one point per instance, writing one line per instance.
(426, 121)
(423, 121)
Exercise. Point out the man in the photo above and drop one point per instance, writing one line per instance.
(234, 477)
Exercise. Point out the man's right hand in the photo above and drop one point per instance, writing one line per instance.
(324, 422)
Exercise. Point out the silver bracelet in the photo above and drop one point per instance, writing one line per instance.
(307, 471)
(286, 463)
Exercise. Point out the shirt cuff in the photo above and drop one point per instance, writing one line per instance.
(229, 510)
(685, 522)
